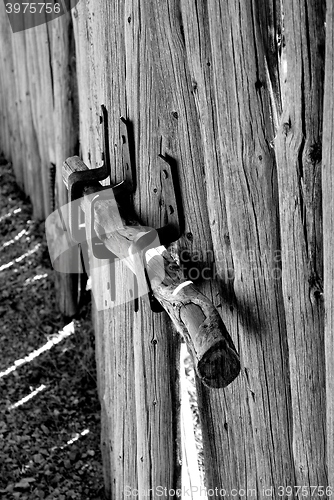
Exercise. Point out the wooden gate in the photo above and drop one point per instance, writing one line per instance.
(233, 91)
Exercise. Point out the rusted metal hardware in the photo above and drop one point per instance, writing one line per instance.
(125, 188)
(81, 180)
(78, 181)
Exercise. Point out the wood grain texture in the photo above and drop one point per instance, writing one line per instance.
(12, 144)
(28, 85)
(22, 145)
(38, 118)
(298, 153)
(40, 78)
(149, 457)
(66, 138)
(32, 159)
(154, 412)
(227, 63)
(328, 232)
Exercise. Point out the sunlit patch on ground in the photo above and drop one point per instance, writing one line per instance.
(22, 233)
(10, 214)
(22, 401)
(35, 278)
(20, 258)
(55, 339)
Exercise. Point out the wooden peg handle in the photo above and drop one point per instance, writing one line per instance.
(215, 359)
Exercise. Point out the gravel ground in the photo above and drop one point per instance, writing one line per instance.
(49, 409)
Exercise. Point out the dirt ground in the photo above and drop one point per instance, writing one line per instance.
(49, 409)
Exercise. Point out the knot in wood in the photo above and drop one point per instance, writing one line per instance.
(286, 127)
(258, 85)
(315, 152)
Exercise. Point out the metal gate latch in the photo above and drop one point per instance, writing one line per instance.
(81, 181)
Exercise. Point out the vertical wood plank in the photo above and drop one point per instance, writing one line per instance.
(139, 376)
(11, 140)
(32, 183)
(225, 54)
(40, 78)
(328, 232)
(156, 347)
(32, 83)
(66, 138)
(298, 153)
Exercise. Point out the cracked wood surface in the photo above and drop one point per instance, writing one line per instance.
(245, 423)
(298, 153)
(140, 409)
(328, 232)
(66, 138)
(20, 134)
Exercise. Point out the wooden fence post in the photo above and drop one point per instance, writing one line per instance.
(298, 153)
(138, 378)
(12, 143)
(328, 232)
(243, 424)
(66, 135)
(23, 146)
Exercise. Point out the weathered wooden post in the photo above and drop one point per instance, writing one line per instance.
(328, 232)
(138, 377)
(22, 144)
(242, 425)
(66, 128)
(298, 154)
(12, 144)
(40, 117)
